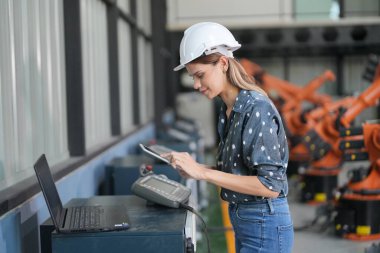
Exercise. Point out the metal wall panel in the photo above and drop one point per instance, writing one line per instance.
(302, 70)
(353, 70)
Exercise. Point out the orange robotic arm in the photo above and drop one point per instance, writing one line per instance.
(286, 90)
(367, 98)
(328, 132)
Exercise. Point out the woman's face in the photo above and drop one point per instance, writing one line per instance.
(209, 79)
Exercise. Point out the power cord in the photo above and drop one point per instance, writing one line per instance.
(374, 248)
(189, 208)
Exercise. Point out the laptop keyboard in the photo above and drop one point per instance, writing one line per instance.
(85, 217)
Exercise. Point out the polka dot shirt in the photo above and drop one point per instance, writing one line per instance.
(253, 142)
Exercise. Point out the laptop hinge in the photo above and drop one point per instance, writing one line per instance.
(63, 217)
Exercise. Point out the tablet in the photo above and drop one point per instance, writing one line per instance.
(156, 151)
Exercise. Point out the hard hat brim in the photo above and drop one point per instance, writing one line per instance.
(179, 67)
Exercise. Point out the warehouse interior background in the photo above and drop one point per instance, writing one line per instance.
(85, 82)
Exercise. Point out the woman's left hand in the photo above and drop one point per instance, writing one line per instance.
(186, 165)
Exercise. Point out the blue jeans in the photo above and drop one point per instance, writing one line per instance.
(263, 226)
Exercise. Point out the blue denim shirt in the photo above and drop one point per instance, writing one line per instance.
(253, 142)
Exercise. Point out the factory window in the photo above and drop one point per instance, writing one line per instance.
(124, 6)
(145, 60)
(95, 72)
(55, 76)
(125, 76)
(314, 10)
(334, 9)
(363, 8)
(32, 87)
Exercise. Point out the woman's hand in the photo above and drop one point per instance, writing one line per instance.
(186, 165)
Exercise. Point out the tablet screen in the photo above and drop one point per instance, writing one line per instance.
(155, 152)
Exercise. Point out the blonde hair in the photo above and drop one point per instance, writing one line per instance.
(236, 74)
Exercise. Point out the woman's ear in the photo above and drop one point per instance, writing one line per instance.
(224, 63)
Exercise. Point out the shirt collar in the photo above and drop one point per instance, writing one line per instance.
(241, 100)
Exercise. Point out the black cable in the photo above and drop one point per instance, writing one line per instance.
(189, 208)
(311, 224)
(374, 248)
(322, 211)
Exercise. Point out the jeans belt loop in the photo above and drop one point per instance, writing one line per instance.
(270, 204)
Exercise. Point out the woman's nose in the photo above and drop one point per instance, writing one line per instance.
(197, 84)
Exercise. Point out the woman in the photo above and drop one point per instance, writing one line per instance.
(252, 155)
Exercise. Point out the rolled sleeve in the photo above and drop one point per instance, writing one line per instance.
(271, 182)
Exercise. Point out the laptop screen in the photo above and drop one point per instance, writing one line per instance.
(49, 189)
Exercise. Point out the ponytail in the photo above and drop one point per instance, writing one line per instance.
(237, 75)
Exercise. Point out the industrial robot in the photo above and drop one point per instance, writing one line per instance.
(358, 201)
(323, 143)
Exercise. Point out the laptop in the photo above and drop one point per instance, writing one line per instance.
(76, 219)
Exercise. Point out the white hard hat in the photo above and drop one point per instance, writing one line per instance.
(205, 38)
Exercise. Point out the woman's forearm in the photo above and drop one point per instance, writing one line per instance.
(244, 184)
